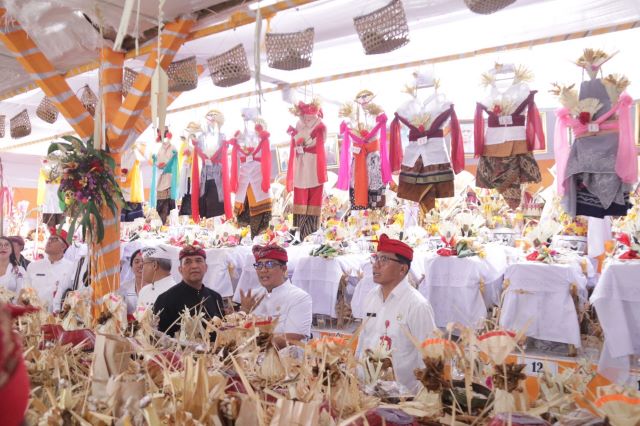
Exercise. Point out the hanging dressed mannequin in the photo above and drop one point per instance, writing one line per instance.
(307, 171)
(426, 169)
(193, 132)
(595, 173)
(213, 183)
(48, 186)
(251, 173)
(368, 173)
(164, 190)
(506, 144)
(131, 183)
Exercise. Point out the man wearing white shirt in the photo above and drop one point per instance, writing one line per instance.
(52, 274)
(278, 298)
(156, 275)
(393, 309)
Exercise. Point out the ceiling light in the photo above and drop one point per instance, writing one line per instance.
(262, 3)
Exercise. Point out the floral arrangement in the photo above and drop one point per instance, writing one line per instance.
(87, 185)
(576, 227)
(542, 254)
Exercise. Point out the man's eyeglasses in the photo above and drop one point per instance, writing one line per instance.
(269, 264)
(382, 260)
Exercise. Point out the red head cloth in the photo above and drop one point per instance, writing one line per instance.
(394, 246)
(270, 251)
(62, 234)
(309, 109)
(192, 251)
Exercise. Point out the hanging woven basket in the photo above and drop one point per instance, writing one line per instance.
(89, 100)
(486, 7)
(383, 30)
(20, 125)
(290, 51)
(47, 111)
(128, 77)
(183, 75)
(230, 68)
(2, 117)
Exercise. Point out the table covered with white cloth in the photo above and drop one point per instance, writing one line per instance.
(455, 286)
(616, 299)
(538, 298)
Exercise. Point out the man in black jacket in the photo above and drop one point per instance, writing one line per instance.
(190, 293)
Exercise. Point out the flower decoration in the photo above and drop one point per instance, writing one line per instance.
(87, 185)
(632, 242)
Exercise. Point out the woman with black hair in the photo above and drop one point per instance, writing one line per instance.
(11, 273)
(130, 289)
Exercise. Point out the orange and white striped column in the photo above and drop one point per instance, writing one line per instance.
(105, 256)
(44, 74)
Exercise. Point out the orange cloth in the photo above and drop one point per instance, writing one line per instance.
(361, 174)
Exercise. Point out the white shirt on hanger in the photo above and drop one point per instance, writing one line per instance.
(291, 305)
(404, 309)
(150, 292)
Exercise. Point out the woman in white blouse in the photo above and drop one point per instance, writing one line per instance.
(11, 274)
(130, 289)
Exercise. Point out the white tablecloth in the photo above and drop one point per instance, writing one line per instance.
(539, 298)
(616, 299)
(453, 285)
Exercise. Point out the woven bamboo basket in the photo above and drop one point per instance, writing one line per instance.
(384, 29)
(47, 111)
(2, 117)
(20, 125)
(486, 7)
(89, 100)
(183, 75)
(128, 77)
(230, 68)
(290, 51)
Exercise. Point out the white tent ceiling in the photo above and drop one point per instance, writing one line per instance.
(437, 28)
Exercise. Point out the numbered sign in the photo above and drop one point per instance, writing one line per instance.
(537, 366)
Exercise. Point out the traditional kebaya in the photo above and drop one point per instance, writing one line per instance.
(210, 175)
(131, 183)
(367, 173)
(513, 131)
(251, 173)
(426, 166)
(164, 189)
(307, 171)
(595, 173)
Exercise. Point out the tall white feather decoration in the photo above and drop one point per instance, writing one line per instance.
(124, 24)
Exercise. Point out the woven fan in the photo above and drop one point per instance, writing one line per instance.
(384, 29)
(230, 68)
(20, 125)
(47, 111)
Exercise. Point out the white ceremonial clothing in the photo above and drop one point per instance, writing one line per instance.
(406, 311)
(13, 278)
(49, 278)
(77, 277)
(539, 298)
(616, 299)
(128, 291)
(290, 305)
(150, 292)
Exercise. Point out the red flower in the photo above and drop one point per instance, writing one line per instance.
(387, 340)
(584, 117)
(421, 128)
(497, 109)
(624, 239)
(386, 324)
(124, 171)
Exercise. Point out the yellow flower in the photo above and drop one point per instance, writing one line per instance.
(244, 231)
(375, 227)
